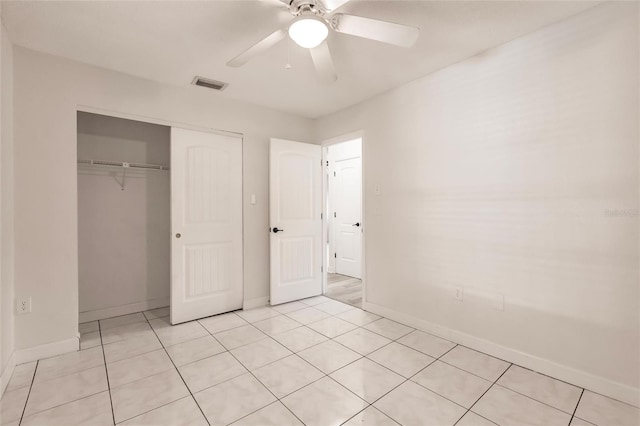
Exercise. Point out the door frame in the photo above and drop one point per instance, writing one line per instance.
(359, 134)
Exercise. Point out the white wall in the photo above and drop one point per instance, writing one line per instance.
(48, 91)
(123, 234)
(6, 210)
(496, 176)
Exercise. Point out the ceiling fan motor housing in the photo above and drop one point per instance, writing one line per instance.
(306, 7)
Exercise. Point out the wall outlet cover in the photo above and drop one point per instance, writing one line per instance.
(23, 305)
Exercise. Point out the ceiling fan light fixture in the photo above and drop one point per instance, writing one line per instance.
(308, 31)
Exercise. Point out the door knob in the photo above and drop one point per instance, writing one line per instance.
(357, 224)
(178, 235)
(276, 230)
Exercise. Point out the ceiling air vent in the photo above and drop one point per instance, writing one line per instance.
(211, 84)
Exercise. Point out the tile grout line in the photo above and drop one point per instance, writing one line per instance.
(576, 409)
(106, 373)
(26, 401)
(483, 394)
(177, 371)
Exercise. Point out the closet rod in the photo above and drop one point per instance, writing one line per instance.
(123, 164)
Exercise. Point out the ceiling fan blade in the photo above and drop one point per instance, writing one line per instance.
(324, 64)
(332, 5)
(257, 49)
(386, 32)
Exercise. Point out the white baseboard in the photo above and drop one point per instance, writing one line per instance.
(255, 302)
(117, 311)
(47, 350)
(568, 374)
(6, 373)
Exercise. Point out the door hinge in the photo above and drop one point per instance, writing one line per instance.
(327, 163)
(335, 255)
(321, 216)
(334, 214)
(322, 269)
(334, 174)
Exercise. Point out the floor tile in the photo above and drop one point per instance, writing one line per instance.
(505, 407)
(260, 353)
(12, 405)
(138, 330)
(65, 389)
(333, 307)
(332, 326)
(411, 404)
(358, 317)
(472, 419)
(370, 416)
(194, 350)
(240, 336)
(427, 343)
(88, 327)
(300, 338)
(285, 308)
(247, 393)
(362, 341)
(457, 385)
(138, 367)
(173, 334)
(211, 371)
(184, 411)
(480, 364)
(22, 376)
(92, 410)
(367, 379)
(144, 395)
(157, 313)
(316, 300)
(90, 340)
(307, 315)
(329, 356)
(127, 348)
(275, 414)
(258, 314)
(72, 362)
(276, 325)
(401, 359)
(579, 422)
(555, 393)
(106, 324)
(287, 375)
(223, 322)
(604, 411)
(389, 329)
(323, 403)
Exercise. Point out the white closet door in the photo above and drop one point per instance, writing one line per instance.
(295, 207)
(206, 223)
(348, 220)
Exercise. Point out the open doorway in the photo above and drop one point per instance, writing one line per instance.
(344, 225)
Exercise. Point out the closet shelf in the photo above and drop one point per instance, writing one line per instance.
(123, 164)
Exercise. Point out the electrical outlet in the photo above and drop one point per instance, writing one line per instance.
(23, 305)
(458, 293)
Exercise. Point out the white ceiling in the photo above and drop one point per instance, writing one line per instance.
(171, 42)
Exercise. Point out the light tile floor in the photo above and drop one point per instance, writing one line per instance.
(313, 362)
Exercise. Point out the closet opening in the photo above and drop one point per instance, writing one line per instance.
(124, 216)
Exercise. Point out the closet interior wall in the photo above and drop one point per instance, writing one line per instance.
(123, 217)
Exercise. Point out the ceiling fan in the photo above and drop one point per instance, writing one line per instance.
(313, 19)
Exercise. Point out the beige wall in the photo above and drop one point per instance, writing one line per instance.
(48, 91)
(123, 234)
(6, 201)
(496, 175)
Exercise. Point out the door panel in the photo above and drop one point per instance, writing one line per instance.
(348, 220)
(295, 195)
(206, 223)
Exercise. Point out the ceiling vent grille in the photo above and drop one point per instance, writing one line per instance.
(208, 83)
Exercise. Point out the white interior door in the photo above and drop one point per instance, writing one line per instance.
(206, 224)
(348, 217)
(295, 207)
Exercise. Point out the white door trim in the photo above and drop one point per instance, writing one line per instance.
(326, 143)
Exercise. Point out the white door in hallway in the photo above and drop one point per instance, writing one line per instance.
(348, 216)
(295, 208)
(206, 224)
